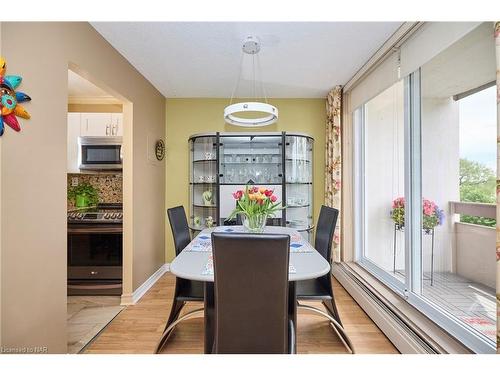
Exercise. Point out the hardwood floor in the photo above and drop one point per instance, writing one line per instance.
(138, 328)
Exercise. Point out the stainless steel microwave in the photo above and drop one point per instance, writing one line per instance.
(100, 153)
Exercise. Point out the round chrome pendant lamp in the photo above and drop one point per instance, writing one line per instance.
(267, 112)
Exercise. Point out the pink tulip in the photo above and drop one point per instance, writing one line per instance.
(273, 198)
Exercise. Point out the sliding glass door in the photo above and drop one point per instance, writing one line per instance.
(425, 189)
(380, 130)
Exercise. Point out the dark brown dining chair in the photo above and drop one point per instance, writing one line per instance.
(321, 288)
(185, 290)
(251, 294)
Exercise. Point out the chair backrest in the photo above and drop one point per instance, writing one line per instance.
(180, 228)
(251, 292)
(324, 231)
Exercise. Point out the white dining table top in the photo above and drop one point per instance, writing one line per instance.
(305, 262)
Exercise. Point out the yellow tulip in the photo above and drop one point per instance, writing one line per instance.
(262, 190)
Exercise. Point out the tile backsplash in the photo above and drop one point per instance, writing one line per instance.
(110, 186)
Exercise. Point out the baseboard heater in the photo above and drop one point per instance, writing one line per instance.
(405, 335)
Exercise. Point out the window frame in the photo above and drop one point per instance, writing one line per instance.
(411, 288)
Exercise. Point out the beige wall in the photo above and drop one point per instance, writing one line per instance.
(33, 215)
(190, 116)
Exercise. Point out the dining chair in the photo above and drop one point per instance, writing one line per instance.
(251, 294)
(185, 290)
(321, 288)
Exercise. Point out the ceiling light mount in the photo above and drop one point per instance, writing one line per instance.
(251, 45)
(257, 113)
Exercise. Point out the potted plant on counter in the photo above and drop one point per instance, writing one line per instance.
(255, 205)
(84, 195)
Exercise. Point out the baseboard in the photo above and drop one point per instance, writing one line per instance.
(133, 298)
(409, 330)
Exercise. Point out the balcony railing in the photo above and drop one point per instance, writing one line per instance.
(474, 250)
(487, 210)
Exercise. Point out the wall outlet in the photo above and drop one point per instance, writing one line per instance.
(74, 181)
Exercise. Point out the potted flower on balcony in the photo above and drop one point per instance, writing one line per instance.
(432, 215)
(255, 204)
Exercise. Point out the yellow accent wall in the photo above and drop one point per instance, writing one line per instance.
(185, 117)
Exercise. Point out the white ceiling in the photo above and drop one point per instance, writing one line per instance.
(80, 87)
(465, 65)
(202, 59)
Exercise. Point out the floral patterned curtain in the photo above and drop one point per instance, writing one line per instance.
(333, 160)
(497, 46)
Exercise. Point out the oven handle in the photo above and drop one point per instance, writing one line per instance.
(92, 287)
(95, 229)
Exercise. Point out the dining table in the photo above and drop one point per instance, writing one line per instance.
(195, 262)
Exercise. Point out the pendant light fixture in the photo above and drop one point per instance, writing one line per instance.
(260, 113)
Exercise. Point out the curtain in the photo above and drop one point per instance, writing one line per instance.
(333, 160)
(497, 47)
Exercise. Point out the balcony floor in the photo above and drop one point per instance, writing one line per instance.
(472, 303)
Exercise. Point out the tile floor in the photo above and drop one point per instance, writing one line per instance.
(87, 316)
(472, 303)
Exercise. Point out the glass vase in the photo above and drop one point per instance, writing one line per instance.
(254, 223)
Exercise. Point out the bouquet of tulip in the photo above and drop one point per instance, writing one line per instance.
(432, 216)
(256, 204)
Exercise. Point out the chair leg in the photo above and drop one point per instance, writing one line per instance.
(339, 330)
(169, 329)
(174, 312)
(331, 307)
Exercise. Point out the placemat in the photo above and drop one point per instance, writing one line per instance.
(203, 242)
(209, 267)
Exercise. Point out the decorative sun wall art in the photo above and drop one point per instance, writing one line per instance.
(10, 99)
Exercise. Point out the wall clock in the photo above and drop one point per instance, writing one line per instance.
(160, 150)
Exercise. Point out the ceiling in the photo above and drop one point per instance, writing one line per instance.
(202, 59)
(465, 65)
(81, 90)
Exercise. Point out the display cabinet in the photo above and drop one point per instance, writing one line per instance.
(222, 163)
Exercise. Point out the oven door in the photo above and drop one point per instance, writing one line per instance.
(94, 253)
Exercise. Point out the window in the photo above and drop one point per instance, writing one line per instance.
(478, 130)
(425, 158)
(383, 174)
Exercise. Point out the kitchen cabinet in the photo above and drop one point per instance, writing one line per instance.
(93, 125)
(222, 163)
(117, 124)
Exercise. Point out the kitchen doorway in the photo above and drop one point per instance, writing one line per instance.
(95, 250)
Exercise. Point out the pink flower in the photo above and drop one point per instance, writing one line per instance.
(268, 193)
(273, 198)
(429, 207)
(237, 195)
(398, 203)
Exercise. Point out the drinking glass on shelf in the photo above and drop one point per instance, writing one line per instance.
(266, 175)
(258, 175)
(229, 175)
(242, 175)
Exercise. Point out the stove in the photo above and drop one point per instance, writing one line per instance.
(106, 213)
(95, 250)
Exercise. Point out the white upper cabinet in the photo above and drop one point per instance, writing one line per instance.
(90, 124)
(117, 124)
(96, 124)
